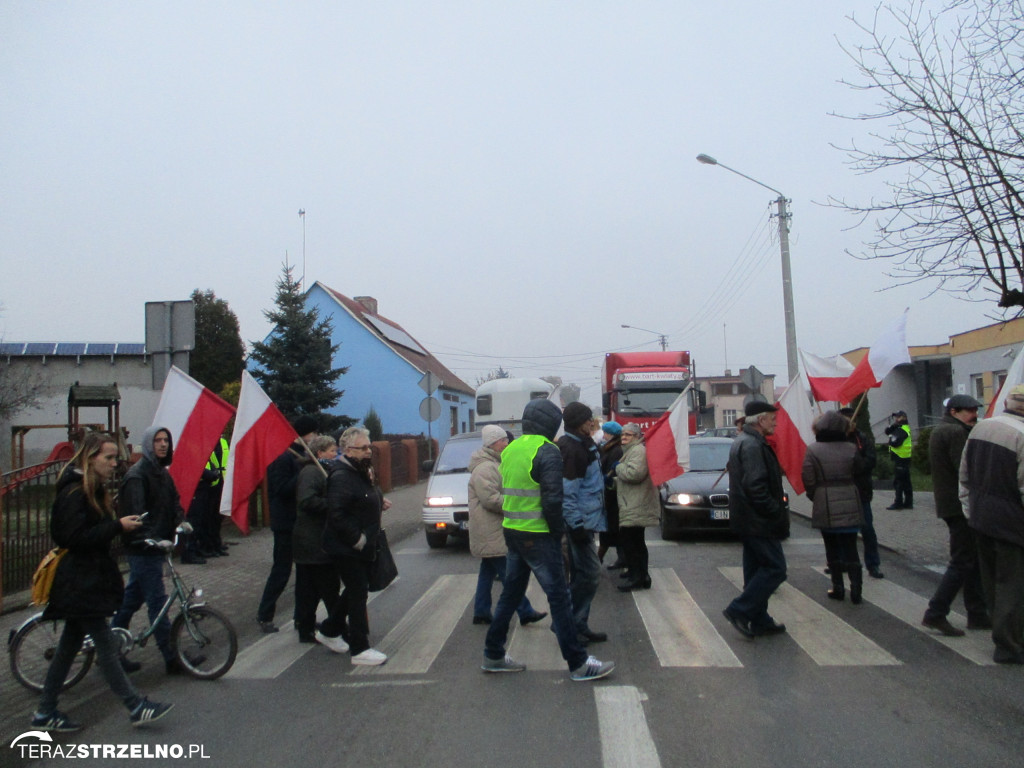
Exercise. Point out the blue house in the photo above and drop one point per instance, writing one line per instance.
(385, 368)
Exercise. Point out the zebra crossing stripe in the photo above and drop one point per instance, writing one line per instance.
(418, 638)
(826, 638)
(535, 645)
(626, 741)
(680, 632)
(910, 607)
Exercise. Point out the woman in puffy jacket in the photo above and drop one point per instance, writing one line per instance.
(88, 587)
(639, 507)
(829, 469)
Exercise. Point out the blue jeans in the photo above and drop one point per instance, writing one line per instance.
(146, 585)
(584, 570)
(764, 570)
(492, 568)
(540, 553)
(871, 557)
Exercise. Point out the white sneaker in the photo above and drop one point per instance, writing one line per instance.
(370, 658)
(335, 644)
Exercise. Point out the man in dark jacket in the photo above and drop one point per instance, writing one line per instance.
(583, 512)
(149, 492)
(991, 476)
(282, 476)
(759, 515)
(531, 475)
(866, 488)
(945, 449)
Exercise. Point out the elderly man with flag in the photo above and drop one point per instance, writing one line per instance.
(759, 515)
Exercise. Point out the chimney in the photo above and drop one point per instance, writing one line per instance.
(369, 303)
(727, 373)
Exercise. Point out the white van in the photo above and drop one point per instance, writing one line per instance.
(446, 507)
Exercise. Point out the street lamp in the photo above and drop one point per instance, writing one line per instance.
(787, 277)
(661, 336)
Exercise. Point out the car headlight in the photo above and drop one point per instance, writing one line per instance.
(685, 499)
(440, 501)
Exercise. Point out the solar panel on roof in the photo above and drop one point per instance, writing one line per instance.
(10, 348)
(70, 348)
(132, 348)
(40, 348)
(101, 349)
(394, 334)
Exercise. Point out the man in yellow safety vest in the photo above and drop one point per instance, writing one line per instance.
(531, 475)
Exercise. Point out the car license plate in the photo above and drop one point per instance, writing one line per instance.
(719, 514)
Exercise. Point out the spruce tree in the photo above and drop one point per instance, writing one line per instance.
(295, 362)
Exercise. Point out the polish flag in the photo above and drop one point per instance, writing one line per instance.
(793, 431)
(888, 351)
(261, 434)
(196, 419)
(826, 375)
(1014, 376)
(668, 442)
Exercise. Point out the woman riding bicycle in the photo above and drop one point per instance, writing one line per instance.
(88, 587)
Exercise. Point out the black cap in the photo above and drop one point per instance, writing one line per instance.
(962, 401)
(576, 414)
(304, 424)
(757, 408)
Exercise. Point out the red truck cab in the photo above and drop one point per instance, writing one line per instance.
(638, 387)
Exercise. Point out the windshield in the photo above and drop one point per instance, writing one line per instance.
(455, 456)
(708, 457)
(646, 402)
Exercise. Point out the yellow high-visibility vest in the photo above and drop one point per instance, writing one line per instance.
(521, 501)
(904, 449)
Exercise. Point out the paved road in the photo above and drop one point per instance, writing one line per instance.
(847, 685)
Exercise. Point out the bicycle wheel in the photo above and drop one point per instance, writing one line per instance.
(205, 644)
(32, 649)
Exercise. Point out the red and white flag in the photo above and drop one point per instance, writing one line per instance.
(196, 418)
(793, 432)
(261, 434)
(826, 376)
(668, 442)
(1014, 376)
(888, 351)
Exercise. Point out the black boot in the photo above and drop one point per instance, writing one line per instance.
(856, 582)
(838, 591)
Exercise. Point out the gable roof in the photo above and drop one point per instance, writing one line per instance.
(399, 341)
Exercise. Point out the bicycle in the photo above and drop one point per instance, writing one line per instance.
(202, 639)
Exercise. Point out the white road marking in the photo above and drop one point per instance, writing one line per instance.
(825, 637)
(418, 638)
(682, 635)
(909, 607)
(535, 645)
(626, 741)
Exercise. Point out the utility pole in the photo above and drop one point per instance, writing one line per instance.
(787, 289)
(302, 215)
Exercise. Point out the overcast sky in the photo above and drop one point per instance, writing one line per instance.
(512, 181)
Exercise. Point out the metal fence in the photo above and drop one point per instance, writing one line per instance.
(25, 500)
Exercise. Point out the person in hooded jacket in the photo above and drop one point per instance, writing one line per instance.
(148, 491)
(316, 577)
(87, 587)
(531, 476)
(486, 539)
(830, 470)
